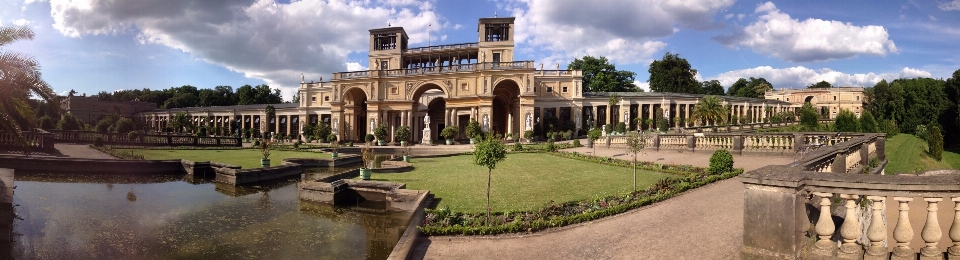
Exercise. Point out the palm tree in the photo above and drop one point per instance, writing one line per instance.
(709, 109)
(19, 79)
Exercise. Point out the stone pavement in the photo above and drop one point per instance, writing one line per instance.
(65, 150)
(705, 223)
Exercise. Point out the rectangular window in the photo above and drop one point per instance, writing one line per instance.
(464, 86)
(384, 65)
(564, 89)
(549, 89)
(496, 57)
(314, 99)
(395, 90)
(788, 99)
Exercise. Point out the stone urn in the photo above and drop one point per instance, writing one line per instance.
(381, 143)
(265, 162)
(473, 140)
(403, 143)
(406, 158)
(449, 141)
(365, 173)
(333, 154)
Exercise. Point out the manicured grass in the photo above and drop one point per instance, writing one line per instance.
(523, 181)
(907, 154)
(246, 158)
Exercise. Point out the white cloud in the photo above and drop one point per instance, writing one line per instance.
(623, 31)
(259, 38)
(777, 34)
(950, 6)
(355, 66)
(22, 22)
(643, 85)
(801, 77)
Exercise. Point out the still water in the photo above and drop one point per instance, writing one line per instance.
(172, 217)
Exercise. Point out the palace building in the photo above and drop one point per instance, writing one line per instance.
(829, 101)
(429, 88)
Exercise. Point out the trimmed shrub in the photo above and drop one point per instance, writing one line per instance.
(46, 122)
(368, 138)
(576, 143)
(256, 143)
(935, 143)
(133, 135)
(621, 127)
(69, 122)
(720, 162)
(98, 142)
(868, 124)
(922, 133)
(608, 128)
(550, 146)
(124, 125)
(331, 138)
(517, 147)
(103, 125)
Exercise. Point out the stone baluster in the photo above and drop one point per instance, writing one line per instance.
(877, 232)
(903, 233)
(931, 232)
(954, 251)
(825, 226)
(850, 230)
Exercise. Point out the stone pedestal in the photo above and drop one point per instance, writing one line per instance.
(426, 137)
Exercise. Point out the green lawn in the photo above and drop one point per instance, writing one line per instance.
(523, 181)
(246, 158)
(906, 153)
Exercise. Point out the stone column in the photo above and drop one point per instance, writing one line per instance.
(509, 123)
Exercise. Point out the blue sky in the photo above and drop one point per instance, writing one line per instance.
(93, 46)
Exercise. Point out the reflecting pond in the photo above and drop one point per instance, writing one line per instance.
(173, 217)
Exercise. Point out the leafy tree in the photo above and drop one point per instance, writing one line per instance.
(709, 110)
(821, 84)
(846, 121)
(950, 119)
(720, 162)
(46, 122)
(296, 98)
(886, 101)
(593, 135)
(868, 123)
(474, 131)
(182, 100)
(736, 87)
(712, 87)
(322, 130)
(673, 74)
(124, 125)
(20, 78)
(69, 122)
(601, 76)
(924, 101)
(754, 88)
(809, 117)
(635, 144)
(246, 96)
(488, 153)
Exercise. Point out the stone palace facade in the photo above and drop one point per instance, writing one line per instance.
(451, 85)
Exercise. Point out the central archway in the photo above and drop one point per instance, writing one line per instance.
(506, 108)
(429, 100)
(355, 110)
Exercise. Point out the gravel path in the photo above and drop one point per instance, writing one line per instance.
(81, 151)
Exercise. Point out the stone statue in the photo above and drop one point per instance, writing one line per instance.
(486, 123)
(321, 78)
(558, 66)
(336, 126)
(541, 66)
(426, 122)
(301, 77)
(437, 63)
(483, 57)
(529, 122)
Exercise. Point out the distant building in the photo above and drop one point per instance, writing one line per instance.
(91, 109)
(829, 101)
(431, 87)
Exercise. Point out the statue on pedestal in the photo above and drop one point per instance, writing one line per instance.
(426, 131)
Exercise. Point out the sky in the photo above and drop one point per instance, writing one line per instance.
(93, 45)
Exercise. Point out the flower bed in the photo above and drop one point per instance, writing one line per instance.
(680, 169)
(125, 155)
(445, 222)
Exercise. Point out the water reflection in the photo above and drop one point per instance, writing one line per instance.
(164, 217)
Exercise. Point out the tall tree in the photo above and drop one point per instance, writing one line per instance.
(821, 84)
(712, 87)
(599, 75)
(488, 153)
(754, 88)
(296, 98)
(673, 74)
(736, 87)
(950, 120)
(246, 96)
(20, 78)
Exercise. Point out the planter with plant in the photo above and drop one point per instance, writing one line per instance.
(406, 153)
(369, 139)
(381, 134)
(334, 145)
(368, 155)
(528, 135)
(403, 134)
(265, 150)
(449, 133)
(592, 137)
(474, 131)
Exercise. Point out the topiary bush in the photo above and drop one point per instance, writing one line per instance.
(868, 124)
(608, 128)
(517, 147)
(621, 127)
(550, 146)
(98, 142)
(576, 143)
(720, 162)
(935, 143)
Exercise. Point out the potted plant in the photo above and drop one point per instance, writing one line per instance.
(406, 154)
(334, 145)
(528, 135)
(649, 124)
(368, 155)
(369, 139)
(403, 134)
(265, 150)
(448, 133)
(473, 131)
(381, 134)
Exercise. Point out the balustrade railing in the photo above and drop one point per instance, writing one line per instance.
(35, 141)
(513, 65)
(143, 140)
(764, 143)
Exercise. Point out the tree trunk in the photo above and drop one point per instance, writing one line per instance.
(489, 173)
(634, 172)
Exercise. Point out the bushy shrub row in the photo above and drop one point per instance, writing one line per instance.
(682, 169)
(445, 222)
(125, 155)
